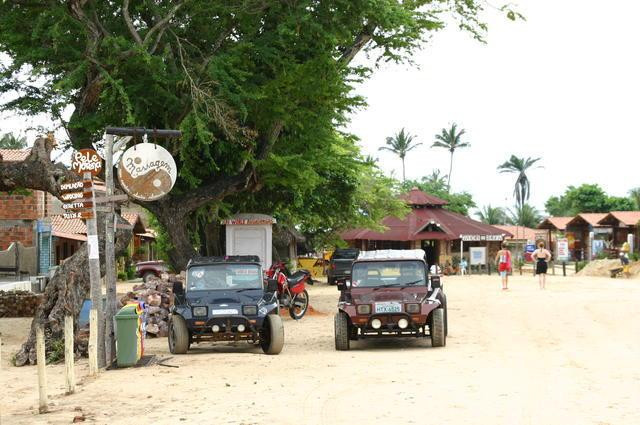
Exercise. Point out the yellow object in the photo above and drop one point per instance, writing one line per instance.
(314, 265)
(327, 254)
(625, 247)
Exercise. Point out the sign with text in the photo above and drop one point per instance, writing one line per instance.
(86, 161)
(478, 238)
(147, 172)
(563, 249)
(79, 200)
(477, 255)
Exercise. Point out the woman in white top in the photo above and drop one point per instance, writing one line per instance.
(541, 257)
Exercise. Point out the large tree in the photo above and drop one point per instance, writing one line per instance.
(238, 78)
(586, 198)
(11, 141)
(451, 140)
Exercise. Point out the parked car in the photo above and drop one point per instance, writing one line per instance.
(225, 299)
(340, 264)
(391, 294)
(146, 269)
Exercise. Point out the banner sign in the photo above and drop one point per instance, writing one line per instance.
(563, 249)
(478, 238)
(477, 255)
(147, 172)
(86, 161)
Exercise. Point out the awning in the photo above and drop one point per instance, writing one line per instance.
(73, 236)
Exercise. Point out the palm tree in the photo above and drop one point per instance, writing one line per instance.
(491, 215)
(635, 196)
(400, 144)
(519, 166)
(450, 140)
(524, 215)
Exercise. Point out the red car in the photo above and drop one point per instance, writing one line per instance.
(146, 269)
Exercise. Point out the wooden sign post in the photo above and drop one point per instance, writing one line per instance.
(110, 261)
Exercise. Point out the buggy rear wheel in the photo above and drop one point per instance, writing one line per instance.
(438, 337)
(341, 329)
(179, 340)
(299, 305)
(272, 334)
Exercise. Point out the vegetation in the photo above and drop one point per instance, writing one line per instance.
(519, 166)
(634, 194)
(11, 141)
(253, 85)
(450, 139)
(524, 215)
(492, 215)
(586, 198)
(400, 144)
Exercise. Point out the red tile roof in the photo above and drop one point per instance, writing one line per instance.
(14, 155)
(557, 223)
(417, 197)
(520, 232)
(68, 229)
(444, 225)
(591, 218)
(626, 218)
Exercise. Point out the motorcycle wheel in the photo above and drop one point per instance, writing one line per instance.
(299, 305)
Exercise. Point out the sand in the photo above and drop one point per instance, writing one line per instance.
(566, 355)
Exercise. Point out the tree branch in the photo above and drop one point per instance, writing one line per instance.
(127, 20)
(358, 44)
(162, 23)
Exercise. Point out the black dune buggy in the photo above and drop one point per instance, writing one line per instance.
(225, 299)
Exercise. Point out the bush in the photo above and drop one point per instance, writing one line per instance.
(602, 256)
(122, 276)
(634, 256)
(581, 265)
(56, 354)
(131, 272)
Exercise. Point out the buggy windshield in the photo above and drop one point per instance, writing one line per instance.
(388, 273)
(224, 276)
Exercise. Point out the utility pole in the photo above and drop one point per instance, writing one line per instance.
(109, 254)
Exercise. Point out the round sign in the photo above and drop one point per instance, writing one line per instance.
(86, 161)
(147, 172)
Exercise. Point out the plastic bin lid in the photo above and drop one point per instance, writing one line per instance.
(128, 311)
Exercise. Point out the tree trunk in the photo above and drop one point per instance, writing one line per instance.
(176, 223)
(403, 176)
(65, 294)
(449, 176)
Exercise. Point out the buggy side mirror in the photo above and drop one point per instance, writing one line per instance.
(435, 282)
(178, 289)
(343, 285)
(272, 285)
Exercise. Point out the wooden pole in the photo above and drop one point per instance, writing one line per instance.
(110, 260)
(42, 374)
(70, 372)
(93, 342)
(97, 329)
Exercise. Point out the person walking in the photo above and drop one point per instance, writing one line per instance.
(541, 257)
(503, 258)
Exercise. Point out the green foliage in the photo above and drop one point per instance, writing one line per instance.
(11, 141)
(581, 265)
(450, 139)
(586, 198)
(519, 166)
(131, 271)
(122, 276)
(162, 245)
(634, 256)
(55, 352)
(524, 215)
(400, 144)
(435, 185)
(492, 215)
(634, 194)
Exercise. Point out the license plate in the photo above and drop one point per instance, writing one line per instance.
(224, 312)
(388, 307)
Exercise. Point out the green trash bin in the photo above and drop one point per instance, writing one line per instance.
(130, 325)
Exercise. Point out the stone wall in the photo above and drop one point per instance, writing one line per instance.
(18, 303)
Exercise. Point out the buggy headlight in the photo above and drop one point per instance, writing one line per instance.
(250, 310)
(199, 311)
(364, 309)
(413, 308)
(376, 323)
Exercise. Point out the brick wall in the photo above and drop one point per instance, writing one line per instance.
(16, 232)
(21, 207)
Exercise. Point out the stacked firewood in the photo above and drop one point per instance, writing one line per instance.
(158, 295)
(19, 303)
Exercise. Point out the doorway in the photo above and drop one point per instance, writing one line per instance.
(431, 249)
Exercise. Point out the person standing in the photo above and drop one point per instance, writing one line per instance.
(463, 266)
(541, 257)
(503, 258)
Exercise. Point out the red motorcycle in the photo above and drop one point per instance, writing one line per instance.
(291, 289)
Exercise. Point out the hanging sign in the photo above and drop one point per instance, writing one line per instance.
(78, 199)
(86, 161)
(479, 238)
(147, 172)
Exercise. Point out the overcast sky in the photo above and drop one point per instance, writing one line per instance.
(563, 86)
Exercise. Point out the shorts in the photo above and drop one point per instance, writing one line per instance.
(541, 267)
(503, 267)
(503, 273)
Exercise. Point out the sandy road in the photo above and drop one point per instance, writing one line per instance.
(567, 355)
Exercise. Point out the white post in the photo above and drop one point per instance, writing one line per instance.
(461, 252)
(69, 355)
(93, 342)
(42, 376)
